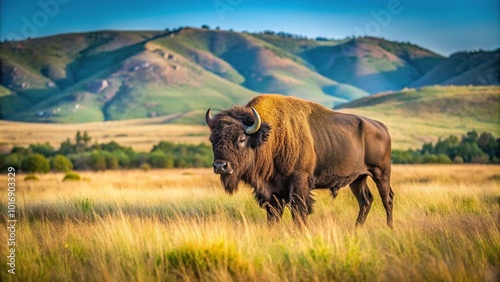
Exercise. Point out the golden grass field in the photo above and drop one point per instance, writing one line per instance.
(165, 225)
(140, 134)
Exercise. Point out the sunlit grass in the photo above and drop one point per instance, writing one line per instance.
(179, 225)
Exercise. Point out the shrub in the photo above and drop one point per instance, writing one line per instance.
(111, 161)
(11, 160)
(458, 160)
(481, 159)
(145, 167)
(443, 159)
(61, 163)
(44, 149)
(71, 176)
(97, 161)
(429, 159)
(139, 158)
(123, 159)
(31, 177)
(159, 159)
(35, 163)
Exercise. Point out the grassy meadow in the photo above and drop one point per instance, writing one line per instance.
(416, 116)
(180, 225)
(140, 134)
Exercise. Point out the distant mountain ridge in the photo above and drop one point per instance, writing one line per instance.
(465, 68)
(114, 75)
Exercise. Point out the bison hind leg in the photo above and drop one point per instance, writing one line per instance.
(364, 197)
(382, 179)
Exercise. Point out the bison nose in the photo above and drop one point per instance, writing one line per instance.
(222, 167)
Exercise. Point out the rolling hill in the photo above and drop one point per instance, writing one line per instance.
(372, 64)
(415, 116)
(116, 75)
(412, 116)
(465, 68)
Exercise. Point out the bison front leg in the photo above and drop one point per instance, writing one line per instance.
(300, 198)
(274, 208)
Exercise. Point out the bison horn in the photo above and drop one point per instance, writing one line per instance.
(256, 125)
(208, 117)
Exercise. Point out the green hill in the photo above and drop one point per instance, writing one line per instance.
(374, 65)
(465, 68)
(414, 116)
(256, 65)
(112, 75)
(115, 75)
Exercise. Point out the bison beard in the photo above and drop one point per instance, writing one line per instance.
(230, 182)
(297, 146)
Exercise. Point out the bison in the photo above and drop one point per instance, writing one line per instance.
(285, 147)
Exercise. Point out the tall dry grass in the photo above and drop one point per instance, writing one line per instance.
(179, 225)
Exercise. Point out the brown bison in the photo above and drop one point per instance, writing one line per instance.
(285, 147)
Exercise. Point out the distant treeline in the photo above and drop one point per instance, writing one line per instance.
(85, 155)
(470, 148)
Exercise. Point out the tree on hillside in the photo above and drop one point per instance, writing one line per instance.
(79, 142)
(122, 158)
(11, 160)
(44, 149)
(113, 146)
(97, 161)
(471, 148)
(164, 146)
(66, 148)
(489, 145)
(86, 139)
(21, 150)
(160, 159)
(61, 163)
(111, 161)
(82, 142)
(35, 163)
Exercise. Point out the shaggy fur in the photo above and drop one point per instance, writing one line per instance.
(299, 147)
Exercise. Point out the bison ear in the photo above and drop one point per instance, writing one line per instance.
(261, 136)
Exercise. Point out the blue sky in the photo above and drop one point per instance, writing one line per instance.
(444, 26)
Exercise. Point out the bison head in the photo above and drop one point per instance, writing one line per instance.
(235, 135)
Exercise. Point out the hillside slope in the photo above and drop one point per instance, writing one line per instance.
(106, 80)
(417, 116)
(116, 75)
(372, 64)
(113, 75)
(465, 68)
(412, 116)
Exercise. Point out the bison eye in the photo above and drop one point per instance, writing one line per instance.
(241, 141)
